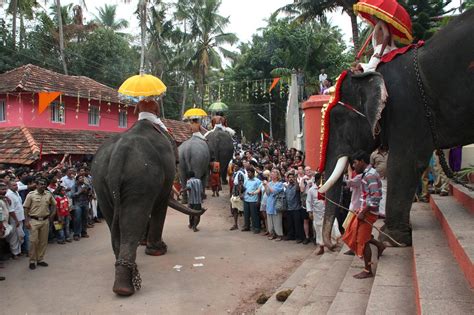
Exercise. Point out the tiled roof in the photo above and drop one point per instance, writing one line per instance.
(31, 78)
(22, 145)
(180, 130)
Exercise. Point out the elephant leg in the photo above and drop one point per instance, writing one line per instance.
(155, 245)
(404, 172)
(133, 221)
(107, 210)
(224, 174)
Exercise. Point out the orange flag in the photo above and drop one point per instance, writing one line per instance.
(274, 83)
(45, 98)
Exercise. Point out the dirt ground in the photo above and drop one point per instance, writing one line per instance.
(237, 267)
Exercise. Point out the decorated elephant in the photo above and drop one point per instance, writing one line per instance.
(132, 175)
(194, 156)
(221, 147)
(420, 101)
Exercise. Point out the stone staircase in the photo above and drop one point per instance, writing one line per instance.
(435, 276)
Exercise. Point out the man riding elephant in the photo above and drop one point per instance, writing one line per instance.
(148, 109)
(219, 121)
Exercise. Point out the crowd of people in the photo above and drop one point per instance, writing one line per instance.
(56, 204)
(276, 193)
(270, 187)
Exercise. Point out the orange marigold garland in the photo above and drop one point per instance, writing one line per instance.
(337, 96)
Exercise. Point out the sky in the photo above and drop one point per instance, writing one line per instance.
(246, 16)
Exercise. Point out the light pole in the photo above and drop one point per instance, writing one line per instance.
(269, 120)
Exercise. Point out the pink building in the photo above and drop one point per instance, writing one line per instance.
(77, 122)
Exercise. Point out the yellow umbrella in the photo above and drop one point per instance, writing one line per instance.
(142, 85)
(194, 112)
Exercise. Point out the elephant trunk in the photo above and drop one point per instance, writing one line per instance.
(330, 213)
(332, 187)
(182, 208)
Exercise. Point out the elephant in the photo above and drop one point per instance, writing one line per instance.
(133, 174)
(386, 107)
(194, 156)
(221, 147)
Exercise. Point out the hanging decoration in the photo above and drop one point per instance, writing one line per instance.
(32, 102)
(61, 108)
(89, 101)
(109, 105)
(78, 105)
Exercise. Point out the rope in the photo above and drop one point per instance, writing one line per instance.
(380, 231)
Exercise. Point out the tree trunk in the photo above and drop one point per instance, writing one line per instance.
(185, 94)
(61, 35)
(355, 31)
(15, 9)
(22, 42)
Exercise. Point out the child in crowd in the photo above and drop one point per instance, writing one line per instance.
(64, 217)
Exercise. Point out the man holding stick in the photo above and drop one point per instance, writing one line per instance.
(358, 235)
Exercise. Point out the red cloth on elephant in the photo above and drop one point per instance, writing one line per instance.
(358, 233)
(215, 176)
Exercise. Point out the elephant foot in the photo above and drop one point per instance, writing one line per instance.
(402, 237)
(156, 249)
(123, 285)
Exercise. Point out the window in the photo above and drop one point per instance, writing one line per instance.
(94, 116)
(3, 111)
(57, 113)
(123, 119)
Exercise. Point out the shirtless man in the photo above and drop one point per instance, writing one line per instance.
(196, 128)
(219, 121)
(382, 43)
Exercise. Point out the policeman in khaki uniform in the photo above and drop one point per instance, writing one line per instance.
(40, 208)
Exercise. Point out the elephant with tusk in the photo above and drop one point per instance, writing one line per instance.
(388, 107)
(133, 174)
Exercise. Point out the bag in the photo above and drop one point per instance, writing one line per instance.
(237, 203)
(280, 202)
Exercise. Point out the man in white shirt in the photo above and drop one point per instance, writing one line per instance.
(322, 77)
(148, 109)
(16, 206)
(9, 222)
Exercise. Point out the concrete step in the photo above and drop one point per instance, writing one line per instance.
(353, 294)
(458, 226)
(272, 305)
(305, 287)
(440, 285)
(327, 286)
(463, 195)
(392, 290)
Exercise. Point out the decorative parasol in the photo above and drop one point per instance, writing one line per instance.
(218, 107)
(194, 113)
(142, 85)
(389, 11)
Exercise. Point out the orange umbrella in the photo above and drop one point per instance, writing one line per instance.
(389, 11)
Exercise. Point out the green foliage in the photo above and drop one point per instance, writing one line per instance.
(426, 16)
(103, 56)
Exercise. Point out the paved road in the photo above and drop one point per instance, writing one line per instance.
(237, 267)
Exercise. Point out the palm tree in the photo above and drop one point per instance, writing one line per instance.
(207, 30)
(107, 17)
(61, 35)
(13, 10)
(310, 9)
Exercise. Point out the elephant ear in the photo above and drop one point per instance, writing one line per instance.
(373, 95)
